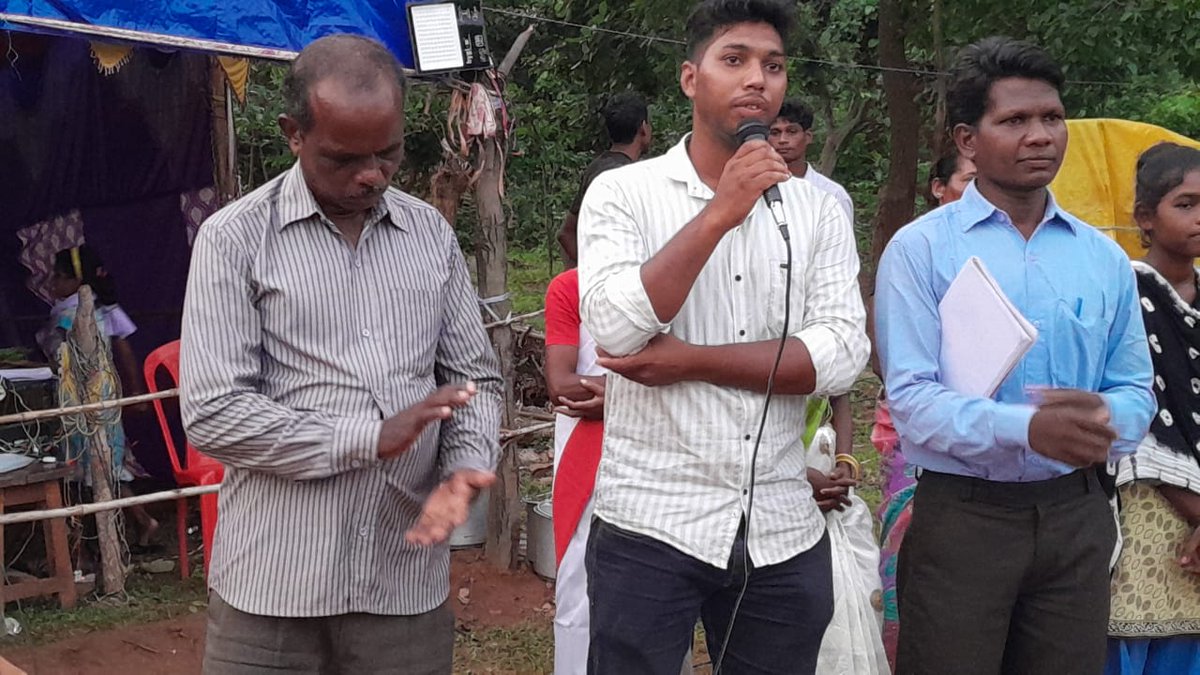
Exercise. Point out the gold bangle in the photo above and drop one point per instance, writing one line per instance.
(852, 461)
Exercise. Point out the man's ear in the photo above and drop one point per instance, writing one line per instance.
(964, 137)
(291, 131)
(687, 79)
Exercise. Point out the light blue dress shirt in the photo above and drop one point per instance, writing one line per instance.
(1074, 284)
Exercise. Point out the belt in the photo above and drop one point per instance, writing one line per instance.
(1064, 488)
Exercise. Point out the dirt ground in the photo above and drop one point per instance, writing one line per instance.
(482, 598)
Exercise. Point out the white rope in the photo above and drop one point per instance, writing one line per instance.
(32, 415)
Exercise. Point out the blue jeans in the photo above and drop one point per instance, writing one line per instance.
(645, 597)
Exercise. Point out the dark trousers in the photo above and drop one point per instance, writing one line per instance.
(238, 643)
(645, 597)
(1006, 578)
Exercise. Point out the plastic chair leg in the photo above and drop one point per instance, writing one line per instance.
(208, 525)
(181, 533)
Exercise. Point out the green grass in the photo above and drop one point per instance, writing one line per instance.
(149, 598)
(524, 648)
(529, 272)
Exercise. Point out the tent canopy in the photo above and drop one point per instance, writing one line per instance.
(260, 28)
(1097, 177)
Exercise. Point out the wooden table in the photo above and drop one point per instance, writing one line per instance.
(39, 485)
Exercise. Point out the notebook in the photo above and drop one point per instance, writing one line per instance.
(983, 335)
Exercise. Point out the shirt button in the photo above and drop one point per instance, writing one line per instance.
(366, 332)
(362, 532)
(746, 437)
(741, 332)
(745, 491)
(737, 278)
(358, 264)
(355, 464)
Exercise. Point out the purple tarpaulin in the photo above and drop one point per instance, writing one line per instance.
(124, 150)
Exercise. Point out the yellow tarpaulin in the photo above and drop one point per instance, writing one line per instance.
(1096, 181)
(237, 71)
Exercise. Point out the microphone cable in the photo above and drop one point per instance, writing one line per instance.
(777, 213)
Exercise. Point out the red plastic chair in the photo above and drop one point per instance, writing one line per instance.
(198, 469)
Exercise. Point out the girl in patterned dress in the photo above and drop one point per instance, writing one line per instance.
(1154, 625)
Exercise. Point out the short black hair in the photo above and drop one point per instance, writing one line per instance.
(795, 111)
(624, 115)
(357, 62)
(979, 65)
(91, 272)
(1159, 170)
(944, 168)
(709, 17)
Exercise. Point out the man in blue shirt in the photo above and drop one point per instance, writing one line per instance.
(1004, 568)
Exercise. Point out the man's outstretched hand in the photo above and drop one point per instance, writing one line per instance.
(447, 506)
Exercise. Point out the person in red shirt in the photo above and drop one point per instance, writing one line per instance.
(576, 386)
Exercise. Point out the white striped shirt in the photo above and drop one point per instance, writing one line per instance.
(295, 348)
(676, 462)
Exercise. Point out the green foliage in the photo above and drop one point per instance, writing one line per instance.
(1127, 60)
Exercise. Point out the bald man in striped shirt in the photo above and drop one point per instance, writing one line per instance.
(334, 361)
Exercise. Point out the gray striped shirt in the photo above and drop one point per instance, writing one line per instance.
(295, 348)
(676, 460)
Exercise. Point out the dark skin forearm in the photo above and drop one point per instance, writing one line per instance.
(843, 424)
(1185, 502)
(561, 379)
(747, 366)
(126, 364)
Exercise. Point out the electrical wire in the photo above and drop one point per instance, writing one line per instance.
(925, 72)
(719, 658)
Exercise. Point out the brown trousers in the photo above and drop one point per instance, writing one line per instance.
(238, 643)
(1005, 578)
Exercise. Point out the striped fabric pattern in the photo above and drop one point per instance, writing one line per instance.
(676, 461)
(295, 348)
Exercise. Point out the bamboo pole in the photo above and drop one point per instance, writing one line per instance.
(34, 415)
(113, 505)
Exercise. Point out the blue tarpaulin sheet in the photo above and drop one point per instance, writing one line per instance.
(284, 25)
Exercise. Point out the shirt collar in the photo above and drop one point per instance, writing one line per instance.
(975, 209)
(297, 204)
(681, 169)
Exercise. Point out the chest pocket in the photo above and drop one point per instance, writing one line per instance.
(1079, 343)
(412, 320)
(777, 293)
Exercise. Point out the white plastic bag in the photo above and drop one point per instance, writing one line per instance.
(853, 643)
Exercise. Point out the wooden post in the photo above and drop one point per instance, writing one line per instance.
(223, 141)
(88, 365)
(491, 260)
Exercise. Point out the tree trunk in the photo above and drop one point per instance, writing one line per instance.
(491, 259)
(449, 183)
(223, 139)
(839, 134)
(88, 366)
(941, 136)
(896, 202)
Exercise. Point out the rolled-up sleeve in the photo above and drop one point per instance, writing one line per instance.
(223, 413)
(833, 325)
(470, 439)
(614, 305)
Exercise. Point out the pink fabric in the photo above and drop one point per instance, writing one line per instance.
(39, 243)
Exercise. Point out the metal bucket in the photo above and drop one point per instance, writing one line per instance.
(474, 531)
(539, 538)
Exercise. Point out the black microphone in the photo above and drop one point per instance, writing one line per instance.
(754, 130)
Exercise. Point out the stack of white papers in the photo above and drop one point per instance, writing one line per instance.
(983, 335)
